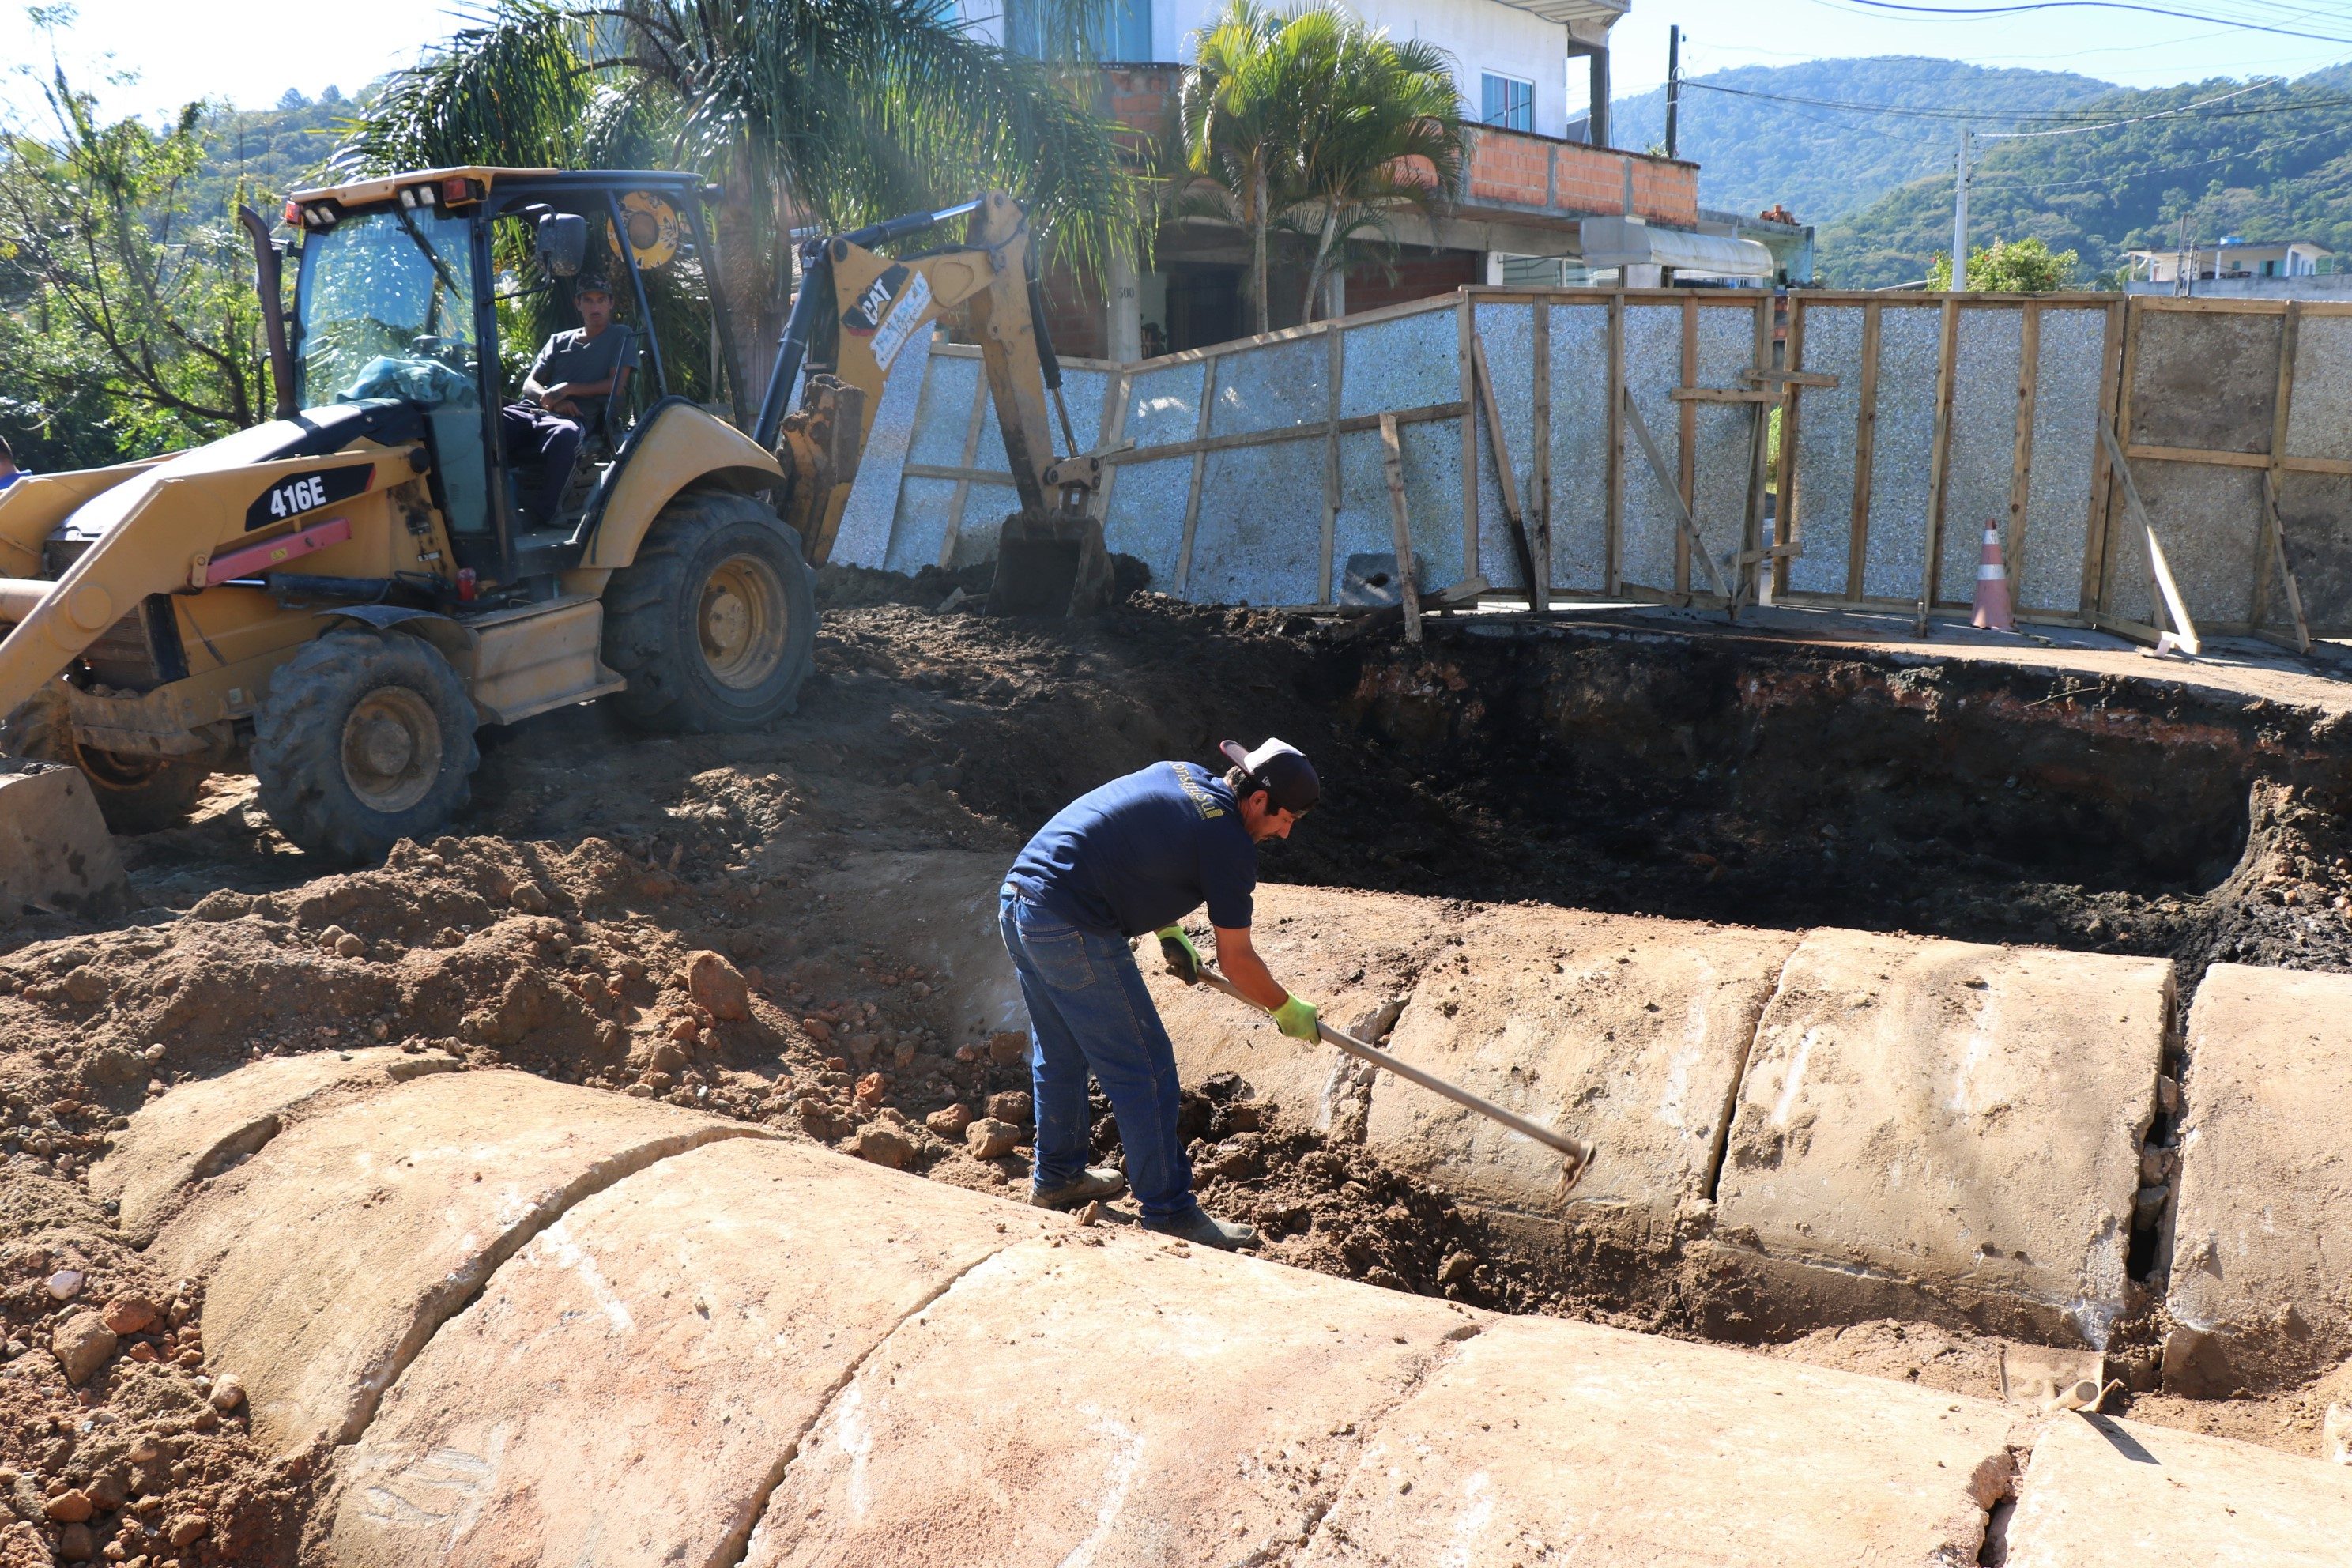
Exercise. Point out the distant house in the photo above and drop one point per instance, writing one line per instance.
(2292, 269)
(1543, 189)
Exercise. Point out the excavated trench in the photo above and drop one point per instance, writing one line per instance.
(1518, 818)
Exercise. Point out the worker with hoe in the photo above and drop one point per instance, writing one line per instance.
(1136, 856)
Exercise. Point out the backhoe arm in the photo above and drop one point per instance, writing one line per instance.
(881, 305)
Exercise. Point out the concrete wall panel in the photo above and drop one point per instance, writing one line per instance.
(2204, 381)
(628, 1386)
(2048, 572)
(2206, 517)
(1145, 515)
(1903, 458)
(1579, 448)
(1654, 358)
(920, 527)
(866, 523)
(1546, 1440)
(1984, 444)
(2126, 1495)
(985, 508)
(2263, 1225)
(1826, 430)
(1508, 331)
(1626, 1031)
(1964, 1119)
(1272, 387)
(1259, 540)
(2316, 512)
(1403, 362)
(1725, 456)
(2319, 411)
(1163, 405)
(335, 1252)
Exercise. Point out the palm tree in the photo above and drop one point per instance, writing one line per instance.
(1308, 119)
(808, 113)
(1388, 136)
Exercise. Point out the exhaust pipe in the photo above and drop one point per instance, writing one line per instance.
(269, 276)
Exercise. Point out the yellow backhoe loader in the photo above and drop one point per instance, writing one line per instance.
(344, 594)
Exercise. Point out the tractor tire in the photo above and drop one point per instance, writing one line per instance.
(136, 793)
(714, 624)
(365, 739)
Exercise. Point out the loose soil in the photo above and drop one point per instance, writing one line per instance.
(558, 928)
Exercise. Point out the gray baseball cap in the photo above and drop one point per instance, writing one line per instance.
(1281, 770)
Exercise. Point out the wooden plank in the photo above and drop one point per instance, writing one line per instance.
(2198, 455)
(1723, 395)
(972, 429)
(1392, 464)
(1939, 457)
(1466, 328)
(1309, 431)
(1791, 377)
(1865, 449)
(1335, 372)
(1539, 472)
(1200, 473)
(2274, 528)
(1614, 528)
(2114, 366)
(2281, 399)
(950, 471)
(2158, 567)
(1788, 525)
(1686, 527)
(1748, 581)
(1113, 432)
(2316, 465)
(2020, 462)
(1506, 480)
(1686, 457)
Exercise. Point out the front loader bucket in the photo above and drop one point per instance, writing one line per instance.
(1050, 566)
(55, 851)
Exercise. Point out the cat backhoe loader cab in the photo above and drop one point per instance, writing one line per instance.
(348, 591)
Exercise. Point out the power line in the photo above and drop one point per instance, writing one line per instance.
(2100, 5)
(2082, 119)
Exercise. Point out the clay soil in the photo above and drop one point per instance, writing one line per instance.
(557, 931)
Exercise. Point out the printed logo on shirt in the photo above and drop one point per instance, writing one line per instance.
(1200, 796)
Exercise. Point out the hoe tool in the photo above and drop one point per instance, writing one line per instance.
(1577, 1157)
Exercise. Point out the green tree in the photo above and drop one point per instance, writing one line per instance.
(121, 301)
(1239, 109)
(2023, 267)
(825, 113)
(1383, 134)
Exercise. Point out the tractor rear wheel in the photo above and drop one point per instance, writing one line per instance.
(366, 738)
(137, 793)
(714, 624)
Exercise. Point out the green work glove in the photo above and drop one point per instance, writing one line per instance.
(1296, 1018)
(1183, 958)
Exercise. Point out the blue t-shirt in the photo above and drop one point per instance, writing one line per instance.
(7, 480)
(1143, 852)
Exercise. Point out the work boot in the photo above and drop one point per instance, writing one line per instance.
(1205, 1228)
(1094, 1181)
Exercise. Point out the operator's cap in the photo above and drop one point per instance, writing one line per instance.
(589, 283)
(1282, 770)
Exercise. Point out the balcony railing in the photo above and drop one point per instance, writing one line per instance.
(1521, 175)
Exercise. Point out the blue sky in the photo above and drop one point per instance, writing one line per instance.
(165, 52)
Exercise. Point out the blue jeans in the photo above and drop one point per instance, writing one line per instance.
(1088, 1010)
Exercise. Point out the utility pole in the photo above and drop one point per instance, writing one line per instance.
(1674, 90)
(1960, 217)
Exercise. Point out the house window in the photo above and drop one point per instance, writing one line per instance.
(2270, 269)
(1507, 102)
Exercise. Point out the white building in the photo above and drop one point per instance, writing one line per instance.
(2227, 259)
(1512, 57)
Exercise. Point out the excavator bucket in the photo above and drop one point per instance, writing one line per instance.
(55, 851)
(1050, 565)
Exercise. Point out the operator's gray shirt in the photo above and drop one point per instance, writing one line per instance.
(577, 356)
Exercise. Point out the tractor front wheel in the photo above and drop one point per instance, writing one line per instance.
(366, 738)
(714, 624)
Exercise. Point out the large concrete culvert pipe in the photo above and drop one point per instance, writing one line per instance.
(523, 1322)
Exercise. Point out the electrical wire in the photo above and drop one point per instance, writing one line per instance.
(2234, 23)
(2087, 119)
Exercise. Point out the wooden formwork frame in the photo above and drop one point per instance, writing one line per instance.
(2266, 549)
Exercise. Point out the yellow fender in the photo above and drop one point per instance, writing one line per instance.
(677, 445)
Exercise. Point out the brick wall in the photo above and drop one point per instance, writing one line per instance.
(1515, 170)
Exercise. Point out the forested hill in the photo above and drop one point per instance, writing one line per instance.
(274, 151)
(1823, 162)
(2272, 164)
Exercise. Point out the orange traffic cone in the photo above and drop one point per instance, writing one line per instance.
(1992, 587)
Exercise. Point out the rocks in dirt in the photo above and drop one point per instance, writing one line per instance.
(817, 1029)
(871, 1090)
(883, 1145)
(987, 1137)
(129, 1314)
(82, 1342)
(186, 1529)
(228, 1394)
(1012, 1105)
(1005, 1047)
(351, 946)
(530, 897)
(2335, 1435)
(65, 1284)
(71, 1507)
(75, 1543)
(716, 985)
(951, 1122)
(85, 985)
